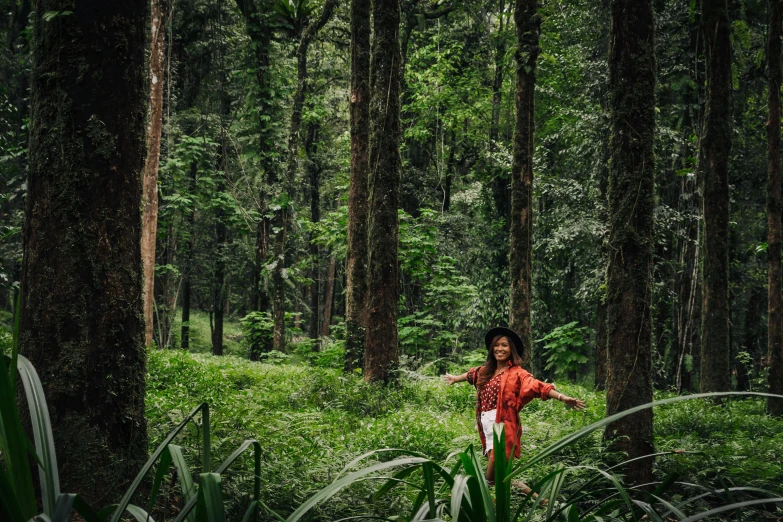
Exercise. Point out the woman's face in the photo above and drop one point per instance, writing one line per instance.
(502, 350)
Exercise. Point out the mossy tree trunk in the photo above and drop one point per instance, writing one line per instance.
(256, 14)
(631, 201)
(381, 353)
(358, 194)
(774, 287)
(528, 24)
(82, 318)
(715, 373)
(314, 173)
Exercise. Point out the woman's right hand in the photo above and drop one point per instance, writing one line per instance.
(450, 379)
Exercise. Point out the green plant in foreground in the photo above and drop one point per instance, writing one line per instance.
(17, 495)
(461, 492)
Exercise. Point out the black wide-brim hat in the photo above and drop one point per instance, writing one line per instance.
(507, 332)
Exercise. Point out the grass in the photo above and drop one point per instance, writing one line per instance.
(201, 337)
(312, 421)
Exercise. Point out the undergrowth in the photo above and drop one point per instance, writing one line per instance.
(311, 421)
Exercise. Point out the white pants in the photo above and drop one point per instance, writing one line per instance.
(487, 423)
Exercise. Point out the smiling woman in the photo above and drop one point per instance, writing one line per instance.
(503, 388)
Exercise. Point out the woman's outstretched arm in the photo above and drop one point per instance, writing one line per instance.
(453, 379)
(571, 402)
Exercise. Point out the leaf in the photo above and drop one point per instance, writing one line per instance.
(48, 16)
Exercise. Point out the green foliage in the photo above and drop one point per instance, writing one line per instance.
(566, 349)
(258, 328)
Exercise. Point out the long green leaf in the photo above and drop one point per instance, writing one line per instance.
(183, 476)
(502, 486)
(9, 505)
(209, 507)
(458, 493)
(730, 507)
(203, 407)
(160, 473)
(17, 496)
(337, 485)
(477, 497)
(42, 432)
(429, 487)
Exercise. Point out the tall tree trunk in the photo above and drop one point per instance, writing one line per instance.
(314, 171)
(528, 24)
(716, 145)
(774, 276)
(381, 354)
(500, 182)
(630, 195)
(358, 194)
(81, 315)
(219, 281)
(149, 197)
(329, 296)
(283, 216)
(187, 272)
(260, 32)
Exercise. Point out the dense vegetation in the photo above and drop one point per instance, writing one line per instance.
(336, 199)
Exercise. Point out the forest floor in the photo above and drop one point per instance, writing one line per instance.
(311, 420)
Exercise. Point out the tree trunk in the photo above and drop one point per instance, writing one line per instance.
(381, 353)
(716, 146)
(187, 272)
(358, 195)
(631, 200)
(500, 182)
(314, 172)
(528, 24)
(329, 296)
(219, 281)
(284, 215)
(82, 316)
(149, 197)
(774, 287)
(260, 32)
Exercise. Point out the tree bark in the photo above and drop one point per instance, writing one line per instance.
(774, 276)
(358, 194)
(600, 348)
(82, 318)
(716, 145)
(528, 24)
(329, 296)
(219, 281)
(381, 354)
(149, 197)
(631, 200)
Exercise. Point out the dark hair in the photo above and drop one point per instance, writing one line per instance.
(488, 370)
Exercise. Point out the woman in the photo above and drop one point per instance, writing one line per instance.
(503, 388)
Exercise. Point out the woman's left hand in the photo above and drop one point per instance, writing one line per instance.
(574, 403)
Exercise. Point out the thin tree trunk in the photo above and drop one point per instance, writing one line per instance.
(500, 182)
(219, 281)
(149, 196)
(315, 216)
(358, 195)
(528, 24)
(283, 215)
(716, 145)
(82, 316)
(774, 276)
(329, 296)
(631, 200)
(381, 354)
(187, 272)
